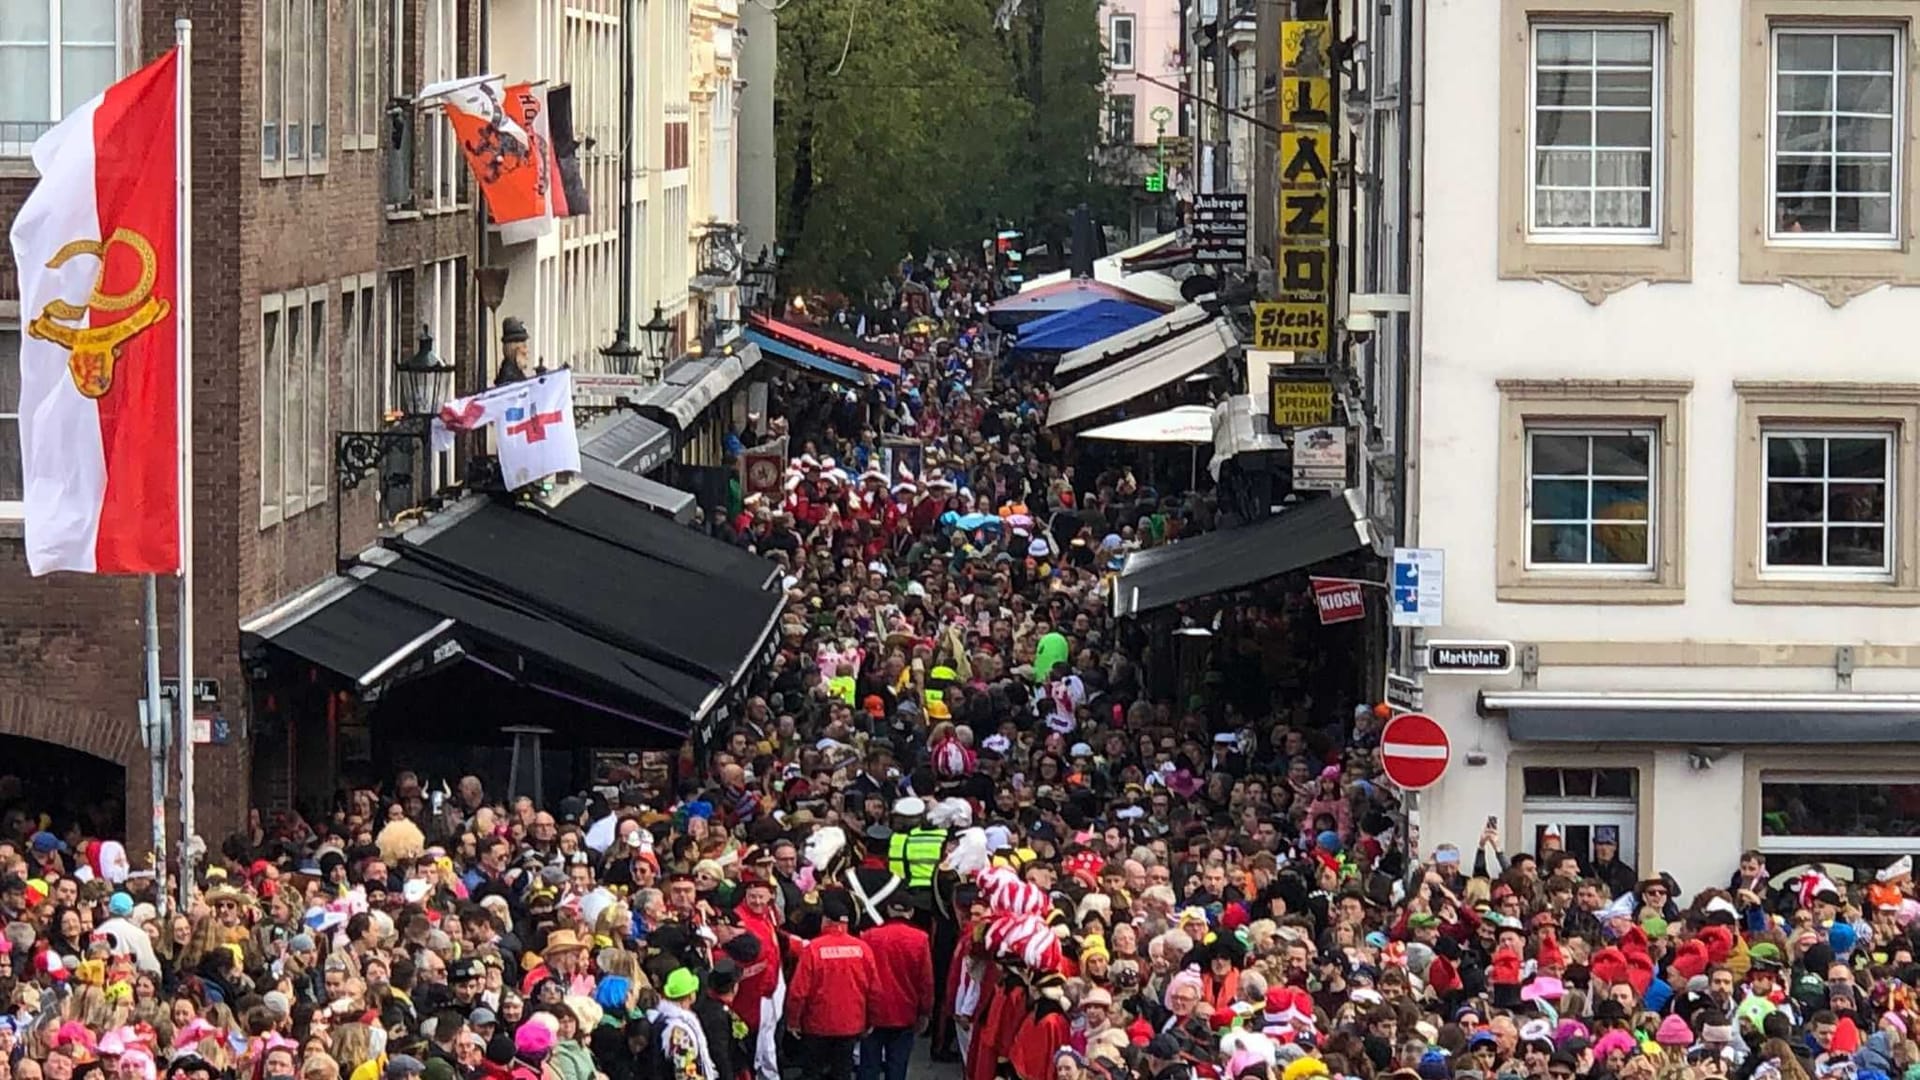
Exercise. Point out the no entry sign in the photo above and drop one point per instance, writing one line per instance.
(1414, 751)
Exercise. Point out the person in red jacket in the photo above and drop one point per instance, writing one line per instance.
(757, 1002)
(831, 992)
(902, 999)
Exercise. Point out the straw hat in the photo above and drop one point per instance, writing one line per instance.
(563, 941)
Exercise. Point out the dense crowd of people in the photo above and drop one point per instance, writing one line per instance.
(959, 817)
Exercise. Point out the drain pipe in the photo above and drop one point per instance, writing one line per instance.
(622, 348)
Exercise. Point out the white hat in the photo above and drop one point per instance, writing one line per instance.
(1899, 868)
(1038, 549)
(911, 806)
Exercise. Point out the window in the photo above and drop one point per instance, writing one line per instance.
(441, 290)
(1120, 119)
(1826, 501)
(1120, 42)
(1838, 813)
(1595, 136)
(1835, 112)
(1590, 498)
(11, 479)
(293, 87)
(1552, 783)
(1826, 202)
(1823, 472)
(54, 55)
(361, 406)
(362, 97)
(1592, 491)
(1595, 142)
(273, 389)
(296, 445)
(440, 62)
(319, 442)
(400, 14)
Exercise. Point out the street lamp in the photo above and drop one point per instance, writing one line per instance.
(658, 330)
(425, 381)
(422, 383)
(760, 280)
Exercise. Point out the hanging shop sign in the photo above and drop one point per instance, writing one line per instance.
(1299, 319)
(1219, 229)
(1288, 326)
(1338, 600)
(1301, 404)
(1320, 459)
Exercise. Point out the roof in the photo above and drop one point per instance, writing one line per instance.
(1078, 327)
(1129, 341)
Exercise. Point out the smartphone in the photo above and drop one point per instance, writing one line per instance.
(1493, 821)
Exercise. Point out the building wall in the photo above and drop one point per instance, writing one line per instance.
(1158, 54)
(70, 665)
(757, 166)
(1709, 332)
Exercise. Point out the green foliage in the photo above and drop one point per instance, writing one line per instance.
(910, 124)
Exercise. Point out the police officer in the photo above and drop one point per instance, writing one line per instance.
(914, 852)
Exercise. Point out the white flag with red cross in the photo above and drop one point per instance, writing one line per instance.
(537, 437)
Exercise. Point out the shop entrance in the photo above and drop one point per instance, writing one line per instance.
(1581, 806)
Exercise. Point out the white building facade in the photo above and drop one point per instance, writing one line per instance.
(1668, 433)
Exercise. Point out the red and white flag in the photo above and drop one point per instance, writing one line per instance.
(96, 247)
(536, 436)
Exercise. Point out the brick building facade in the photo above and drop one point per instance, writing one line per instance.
(329, 226)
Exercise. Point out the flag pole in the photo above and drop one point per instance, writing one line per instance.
(183, 330)
(153, 730)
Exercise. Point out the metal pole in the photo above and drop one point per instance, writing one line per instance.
(183, 321)
(153, 727)
(1222, 83)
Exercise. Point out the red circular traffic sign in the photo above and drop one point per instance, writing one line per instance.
(1414, 750)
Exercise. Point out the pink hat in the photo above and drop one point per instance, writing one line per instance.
(1611, 1041)
(1543, 988)
(533, 1041)
(1673, 1031)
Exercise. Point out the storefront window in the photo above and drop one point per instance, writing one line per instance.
(1842, 813)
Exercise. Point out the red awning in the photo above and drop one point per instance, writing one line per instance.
(827, 347)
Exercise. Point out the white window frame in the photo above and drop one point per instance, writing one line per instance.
(310, 87)
(361, 100)
(319, 429)
(1114, 23)
(397, 15)
(1896, 154)
(1133, 120)
(440, 61)
(1890, 438)
(272, 416)
(1653, 232)
(362, 395)
(1828, 845)
(11, 509)
(20, 147)
(1589, 431)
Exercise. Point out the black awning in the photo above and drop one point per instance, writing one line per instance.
(1678, 724)
(611, 518)
(616, 591)
(627, 441)
(652, 494)
(1235, 558)
(549, 649)
(358, 633)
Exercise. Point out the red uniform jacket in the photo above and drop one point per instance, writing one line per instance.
(903, 966)
(831, 985)
(759, 979)
(1036, 1042)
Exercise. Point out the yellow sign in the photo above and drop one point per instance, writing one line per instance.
(1305, 158)
(1302, 404)
(1303, 48)
(92, 350)
(1304, 216)
(1306, 102)
(1306, 270)
(1293, 325)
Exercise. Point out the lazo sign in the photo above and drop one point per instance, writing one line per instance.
(1469, 657)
